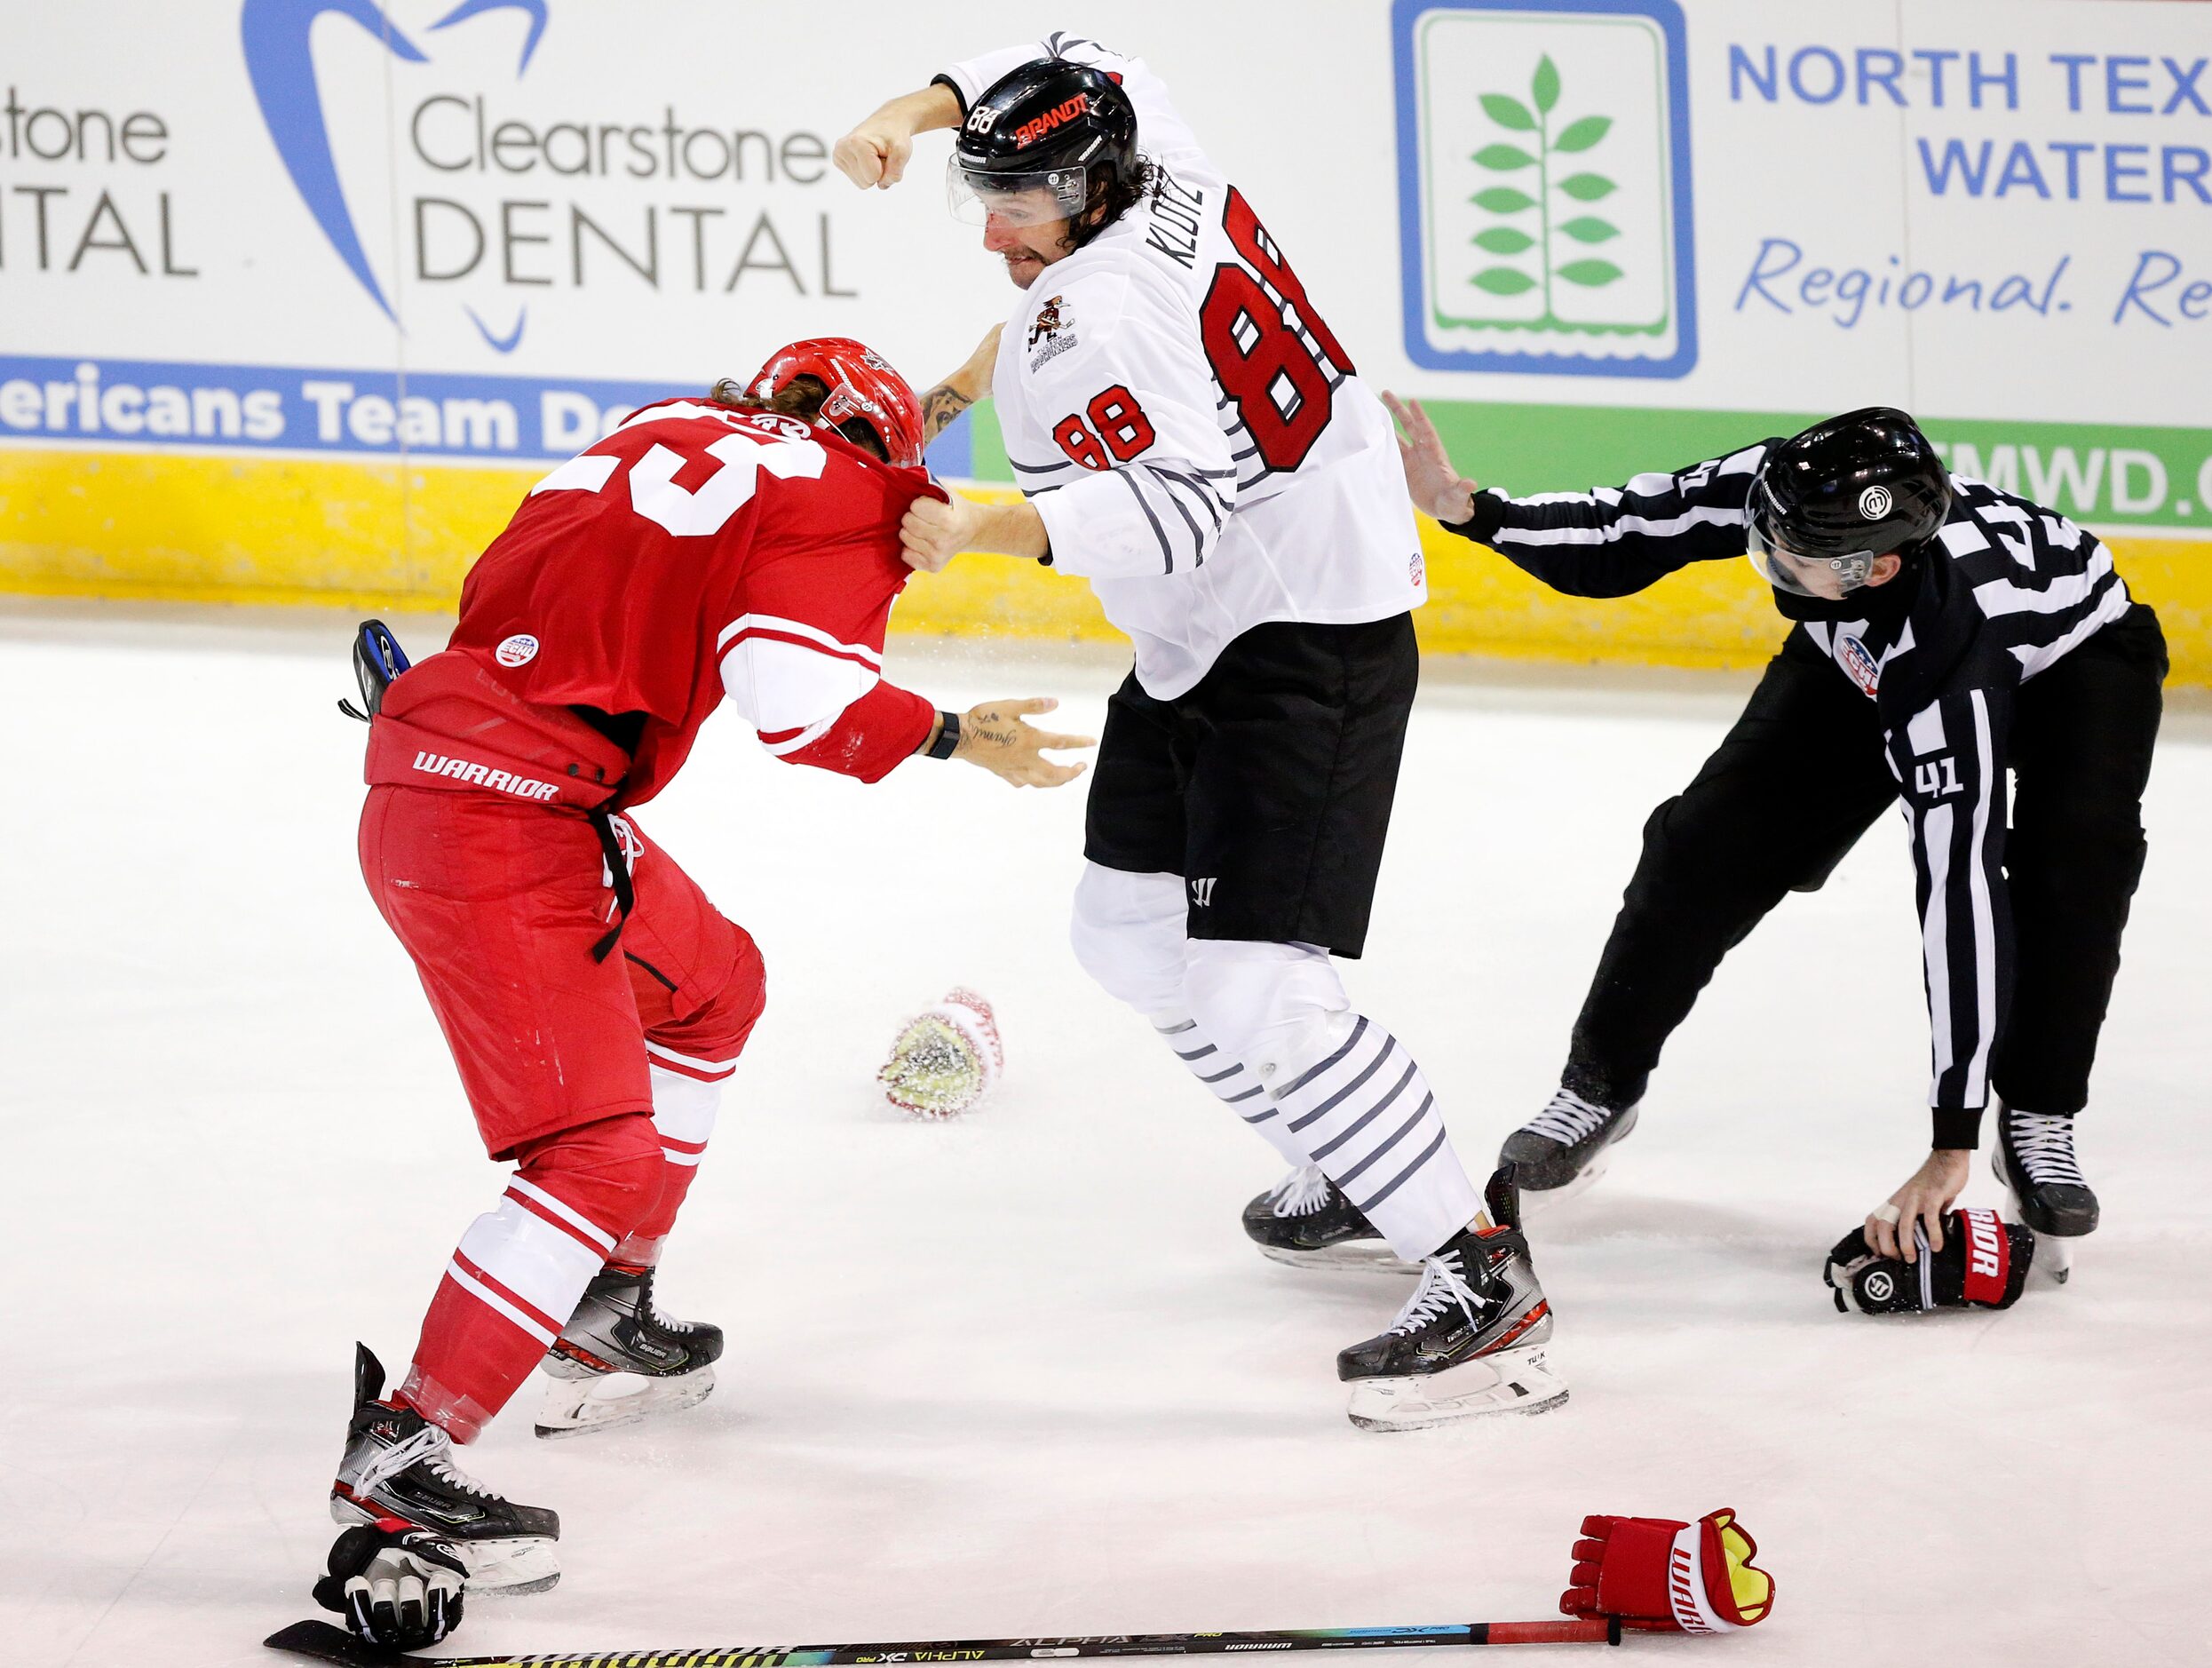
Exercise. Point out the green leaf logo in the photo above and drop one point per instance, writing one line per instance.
(1589, 272)
(1579, 136)
(1586, 188)
(1543, 239)
(1544, 88)
(1509, 112)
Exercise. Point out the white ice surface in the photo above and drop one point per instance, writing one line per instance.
(1020, 1374)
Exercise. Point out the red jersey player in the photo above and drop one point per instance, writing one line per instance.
(744, 546)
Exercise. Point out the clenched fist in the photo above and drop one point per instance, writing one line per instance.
(874, 154)
(933, 532)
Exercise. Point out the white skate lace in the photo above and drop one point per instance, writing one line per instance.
(1443, 1284)
(1567, 1119)
(430, 1447)
(668, 1322)
(2044, 1142)
(1300, 1193)
(652, 1311)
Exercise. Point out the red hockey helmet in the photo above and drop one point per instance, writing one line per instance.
(864, 388)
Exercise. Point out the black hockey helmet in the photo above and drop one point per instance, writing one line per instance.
(1847, 490)
(1042, 143)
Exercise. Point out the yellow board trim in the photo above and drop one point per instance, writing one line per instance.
(216, 529)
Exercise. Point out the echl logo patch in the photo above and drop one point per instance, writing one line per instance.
(1859, 666)
(519, 650)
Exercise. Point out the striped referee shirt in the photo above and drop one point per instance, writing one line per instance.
(2004, 591)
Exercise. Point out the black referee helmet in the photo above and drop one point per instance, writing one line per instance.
(1844, 491)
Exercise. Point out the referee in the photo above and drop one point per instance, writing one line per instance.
(1945, 634)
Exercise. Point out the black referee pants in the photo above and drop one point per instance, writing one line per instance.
(1803, 775)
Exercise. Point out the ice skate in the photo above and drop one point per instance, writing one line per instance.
(399, 1464)
(1563, 1149)
(1470, 1341)
(620, 1360)
(1305, 1220)
(2035, 1163)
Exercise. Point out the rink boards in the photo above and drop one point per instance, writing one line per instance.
(295, 299)
(375, 535)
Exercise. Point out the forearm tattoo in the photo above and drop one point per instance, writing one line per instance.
(940, 406)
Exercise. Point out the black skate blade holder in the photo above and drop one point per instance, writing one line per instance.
(2054, 1252)
(378, 660)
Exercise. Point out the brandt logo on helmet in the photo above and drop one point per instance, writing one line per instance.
(1037, 126)
(1874, 504)
(519, 650)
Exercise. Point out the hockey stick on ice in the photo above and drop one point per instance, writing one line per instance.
(329, 1644)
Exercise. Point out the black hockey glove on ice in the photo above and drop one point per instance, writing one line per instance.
(1983, 1264)
(397, 1586)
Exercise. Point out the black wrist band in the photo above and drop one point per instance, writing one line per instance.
(948, 736)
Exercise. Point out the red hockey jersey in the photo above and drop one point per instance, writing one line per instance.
(696, 551)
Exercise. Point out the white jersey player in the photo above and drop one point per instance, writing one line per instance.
(1191, 436)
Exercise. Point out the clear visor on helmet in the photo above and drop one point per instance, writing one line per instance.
(1036, 198)
(1823, 577)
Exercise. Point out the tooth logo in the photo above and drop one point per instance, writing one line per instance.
(280, 65)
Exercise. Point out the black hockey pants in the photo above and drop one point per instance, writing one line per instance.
(1802, 775)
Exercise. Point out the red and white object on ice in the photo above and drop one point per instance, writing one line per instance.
(946, 1057)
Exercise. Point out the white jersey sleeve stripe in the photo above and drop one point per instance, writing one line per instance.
(1934, 828)
(1704, 515)
(791, 689)
(1984, 916)
(799, 630)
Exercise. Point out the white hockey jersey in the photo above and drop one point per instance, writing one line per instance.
(1183, 419)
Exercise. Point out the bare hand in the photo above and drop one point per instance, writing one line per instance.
(1934, 1188)
(994, 736)
(875, 153)
(933, 533)
(1431, 482)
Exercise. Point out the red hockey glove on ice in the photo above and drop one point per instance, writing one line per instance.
(1663, 1576)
